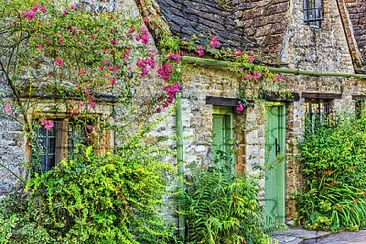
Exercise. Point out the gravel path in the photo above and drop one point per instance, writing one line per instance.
(301, 236)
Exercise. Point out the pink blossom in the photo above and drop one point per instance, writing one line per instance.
(251, 59)
(113, 81)
(240, 107)
(232, 69)
(143, 63)
(200, 51)
(40, 47)
(238, 53)
(82, 71)
(127, 54)
(62, 41)
(59, 62)
(35, 9)
(8, 108)
(278, 78)
(170, 92)
(38, 35)
(158, 110)
(117, 68)
(89, 127)
(248, 77)
(111, 52)
(144, 36)
(113, 42)
(43, 121)
(49, 125)
(73, 6)
(174, 57)
(145, 19)
(94, 36)
(110, 68)
(106, 62)
(65, 11)
(101, 67)
(29, 14)
(181, 53)
(165, 71)
(93, 105)
(241, 70)
(257, 75)
(131, 30)
(214, 42)
(58, 34)
(43, 9)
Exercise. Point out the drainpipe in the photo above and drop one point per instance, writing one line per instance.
(179, 131)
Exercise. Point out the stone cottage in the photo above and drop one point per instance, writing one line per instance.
(318, 36)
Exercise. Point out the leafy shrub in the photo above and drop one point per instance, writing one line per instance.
(222, 208)
(108, 199)
(334, 170)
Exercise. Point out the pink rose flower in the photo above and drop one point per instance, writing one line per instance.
(8, 108)
(200, 51)
(240, 107)
(214, 42)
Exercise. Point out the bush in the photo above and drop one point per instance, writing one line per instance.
(334, 170)
(108, 199)
(222, 208)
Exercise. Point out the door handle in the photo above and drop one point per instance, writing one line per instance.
(278, 148)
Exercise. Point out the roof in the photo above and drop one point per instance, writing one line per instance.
(357, 15)
(250, 25)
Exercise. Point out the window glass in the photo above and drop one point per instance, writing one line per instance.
(222, 138)
(44, 148)
(313, 12)
(317, 113)
(77, 138)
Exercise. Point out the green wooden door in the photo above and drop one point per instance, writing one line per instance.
(222, 138)
(275, 165)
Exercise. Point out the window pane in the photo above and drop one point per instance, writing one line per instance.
(318, 112)
(44, 148)
(51, 162)
(52, 146)
(77, 137)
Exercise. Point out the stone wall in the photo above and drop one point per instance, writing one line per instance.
(12, 154)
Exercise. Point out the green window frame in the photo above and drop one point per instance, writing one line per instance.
(222, 137)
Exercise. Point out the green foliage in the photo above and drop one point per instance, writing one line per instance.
(333, 167)
(222, 208)
(108, 199)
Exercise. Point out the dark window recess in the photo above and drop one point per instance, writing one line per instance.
(360, 108)
(77, 134)
(313, 12)
(45, 148)
(317, 114)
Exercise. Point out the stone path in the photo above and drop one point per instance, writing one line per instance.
(301, 236)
